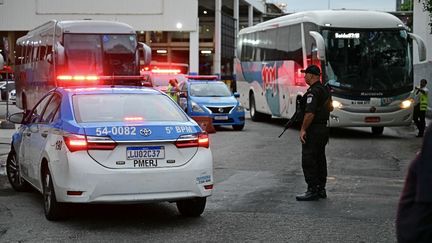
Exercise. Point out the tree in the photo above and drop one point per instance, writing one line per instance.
(406, 6)
(427, 6)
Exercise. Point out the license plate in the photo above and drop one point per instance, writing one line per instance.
(372, 119)
(145, 152)
(221, 117)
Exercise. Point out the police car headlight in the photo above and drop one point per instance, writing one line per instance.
(196, 107)
(336, 104)
(240, 108)
(406, 104)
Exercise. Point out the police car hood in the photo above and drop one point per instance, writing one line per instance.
(136, 144)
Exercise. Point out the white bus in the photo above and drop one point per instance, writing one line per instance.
(365, 58)
(78, 52)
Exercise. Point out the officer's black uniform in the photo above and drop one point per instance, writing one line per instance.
(314, 161)
(414, 215)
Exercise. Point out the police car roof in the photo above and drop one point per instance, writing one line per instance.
(107, 89)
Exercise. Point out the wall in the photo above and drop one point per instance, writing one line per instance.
(422, 28)
(162, 15)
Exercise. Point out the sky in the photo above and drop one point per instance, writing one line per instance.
(302, 5)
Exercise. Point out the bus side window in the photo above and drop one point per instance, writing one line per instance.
(48, 56)
(35, 54)
(18, 51)
(42, 53)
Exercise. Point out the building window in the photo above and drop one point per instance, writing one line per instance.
(158, 37)
(180, 36)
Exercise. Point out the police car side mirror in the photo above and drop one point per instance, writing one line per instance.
(17, 118)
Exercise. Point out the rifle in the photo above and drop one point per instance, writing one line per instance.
(297, 117)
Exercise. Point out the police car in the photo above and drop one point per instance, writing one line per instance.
(205, 96)
(110, 145)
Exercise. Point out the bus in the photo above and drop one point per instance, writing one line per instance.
(365, 57)
(76, 52)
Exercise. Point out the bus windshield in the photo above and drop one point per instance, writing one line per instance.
(107, 54)
(368, 60)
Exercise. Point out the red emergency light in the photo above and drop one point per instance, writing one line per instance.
(166, 71)
(77, 77)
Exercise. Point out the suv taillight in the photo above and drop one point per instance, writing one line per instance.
(193, 140)
(76, 142)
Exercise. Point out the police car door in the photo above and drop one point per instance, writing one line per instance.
(31, 138)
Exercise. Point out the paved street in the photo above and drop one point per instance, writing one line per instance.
(257, 177)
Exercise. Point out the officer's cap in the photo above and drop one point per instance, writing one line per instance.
(312, 69)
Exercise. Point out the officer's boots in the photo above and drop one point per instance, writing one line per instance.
(312, 194)
(322, 192)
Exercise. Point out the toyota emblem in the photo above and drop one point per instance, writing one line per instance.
(145, 132)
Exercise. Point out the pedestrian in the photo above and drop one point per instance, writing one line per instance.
(314, 135)
(414, 215)
(173, 89)
(420, 107)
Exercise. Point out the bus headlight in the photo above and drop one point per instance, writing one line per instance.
(406, 104)
(336, 104)
(196, 107)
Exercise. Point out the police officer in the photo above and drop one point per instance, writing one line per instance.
(314, 135)
(421, 104)
(173, 89)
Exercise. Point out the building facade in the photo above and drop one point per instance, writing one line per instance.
(422, 28)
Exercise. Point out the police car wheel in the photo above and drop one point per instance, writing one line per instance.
(53, 209)
(14, 174)
(238, 127)
(192, 207)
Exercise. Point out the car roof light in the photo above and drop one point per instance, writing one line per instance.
(166, 71)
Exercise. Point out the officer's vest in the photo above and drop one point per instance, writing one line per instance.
(423, 102)
(171, 93)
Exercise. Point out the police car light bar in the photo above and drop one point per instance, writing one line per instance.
(95, 77)
(166, 71)
(202, 77)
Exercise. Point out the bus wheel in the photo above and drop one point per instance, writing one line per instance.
(252, 109)
(377, 130)
(254, 114)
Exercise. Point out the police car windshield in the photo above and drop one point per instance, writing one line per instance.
(210, 89)
(118, 107)
(100, 54)
(163, 79)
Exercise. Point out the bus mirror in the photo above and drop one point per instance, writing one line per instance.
(421, 46)
(1, 62)
(49, 58)
(60, 54)
(146, 53)
(320, 44)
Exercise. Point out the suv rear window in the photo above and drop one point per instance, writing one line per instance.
(120, 107)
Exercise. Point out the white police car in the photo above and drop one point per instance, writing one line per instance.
(110, 145)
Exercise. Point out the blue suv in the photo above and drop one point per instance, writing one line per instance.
(206, 97)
